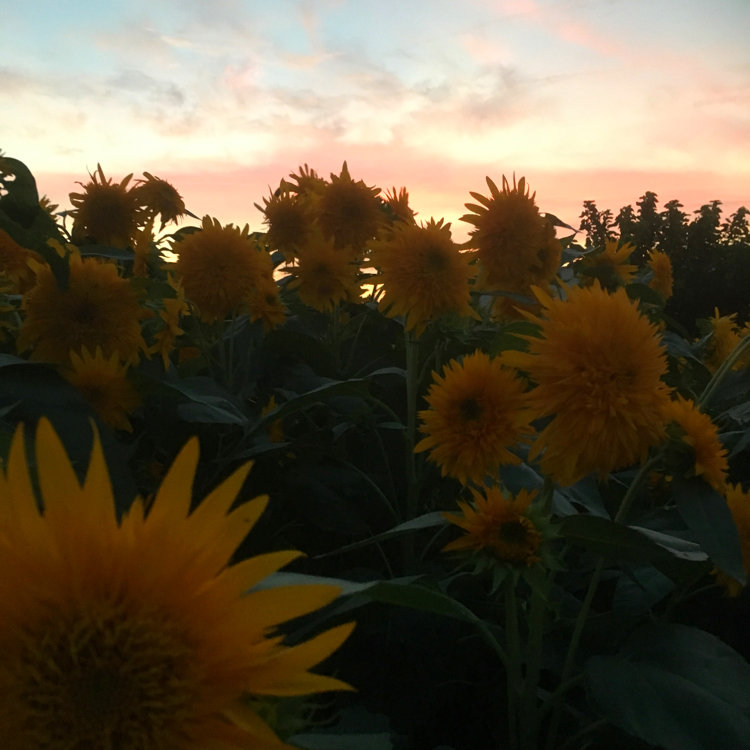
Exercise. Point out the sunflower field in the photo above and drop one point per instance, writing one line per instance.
(349, 484)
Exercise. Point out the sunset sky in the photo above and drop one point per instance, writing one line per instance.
(589, 99)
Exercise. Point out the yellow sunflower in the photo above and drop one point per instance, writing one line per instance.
(498, 525)
(137, 633)
(662, 279)
(478, 413)
(306, 181)
(609, 265)
(738, 501)
(173, 308)
(104, 383)
(598, 366)
(105, 212)
(423, 273)
(159, 198)
(324, 275)
(98, 308)
(349, 212)
(264, 303)
(219, 267)
(516, 246)
(290, 221)
(16, 275)
(697, 430)
(724, 338)
(398, 205)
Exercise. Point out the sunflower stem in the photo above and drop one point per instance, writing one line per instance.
(412, 374)
(514, 658)
(724, 369)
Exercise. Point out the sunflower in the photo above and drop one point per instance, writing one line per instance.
(105, 212)
(349, 212)
(98, 308)
(16, 275)
(173, 308)
(137, 633)
(697, 430)
(104, 383)
(498, 526)
(597, 365)
(159, 198)
(398, 205)
(724, 338)
(218, 267)
(305, 182)
(290, 221)
(516, 246)
(662, 279)
(264, 303)
(423, 273)
(738, 501)
(609, 265)
(478, 413)
(325, 276)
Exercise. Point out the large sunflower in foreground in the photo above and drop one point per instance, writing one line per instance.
(219, 267)
(98, 308)
(138, 634)
(598, 366)
(497, 525)
(478, 413)
(423, 273)
(105, 212)
(516, 246)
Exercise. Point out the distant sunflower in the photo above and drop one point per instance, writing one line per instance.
(16, 275)
(290, 221)
(598, 366)
(325, 276)
(609, 265)
(478, 413)
(738, 501)
(104, 383)
(398, 205)
(697, 430)
(349, 212)
(159, 198)
(98, 308)
(219, 267)
(105, 212)
(516, 246)
(423, 273)
(498, 526)
(724, 338)
(264, 303)
(138, 633)
(662, 279)
(306, 181)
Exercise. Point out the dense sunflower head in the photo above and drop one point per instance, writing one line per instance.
(159, 198)
(662, 279)
(325, 275)
(516, 246)
(290, 221)
(106, 212)
(98, 308)
(16, 275)
(423, 273)
(477, 414)
(609, 265)
(349, 212)
(138, 634)
(499, 526)
(219, 267)
(738, 500)
(597, 365)
(697, 431)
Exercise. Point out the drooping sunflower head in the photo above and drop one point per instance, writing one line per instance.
(609, 266)
(349, 212)
(106, 212)
(738, 501)
(497, 526)
(597, 365)
(138, 633)
(98, 308)
(325, 275)
(16, 275)
(424, 274)
(104, 383)
(696, 431)
(219, 267)
(516, 246)
(290, 220)
(477, 414)
(662, 278)
(159, 198)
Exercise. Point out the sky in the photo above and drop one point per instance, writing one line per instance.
(588, 99)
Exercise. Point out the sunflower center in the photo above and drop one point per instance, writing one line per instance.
(517, 541)
(470, 409)
(435, 260)
(85, 312)
(108, 678)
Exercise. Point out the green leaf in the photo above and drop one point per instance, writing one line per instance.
(708, 517)
(675, 687)
(208, 403)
